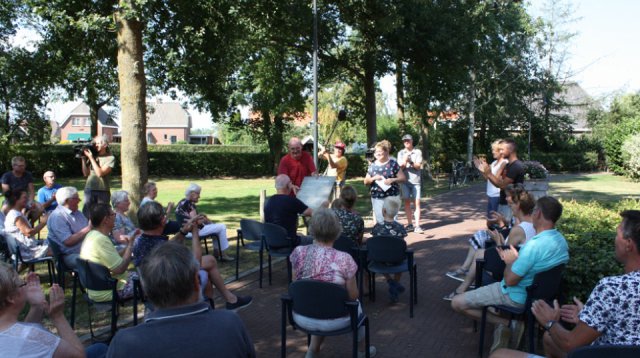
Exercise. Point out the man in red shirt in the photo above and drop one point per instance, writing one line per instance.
(297, 164)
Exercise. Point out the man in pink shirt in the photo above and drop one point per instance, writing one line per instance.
(297, 164)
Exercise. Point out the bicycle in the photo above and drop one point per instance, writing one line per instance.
(458, 174)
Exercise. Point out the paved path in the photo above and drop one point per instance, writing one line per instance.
(435, 330)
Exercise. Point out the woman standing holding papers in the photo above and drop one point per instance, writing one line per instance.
(383, 176)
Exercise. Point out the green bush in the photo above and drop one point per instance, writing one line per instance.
(590, 229)
(570, 161)
(631, 157)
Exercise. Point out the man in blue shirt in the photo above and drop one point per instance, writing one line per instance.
(542, 252)
(47, 194)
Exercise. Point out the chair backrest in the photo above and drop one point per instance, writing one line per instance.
(12, 243)
(5, 254)
(347, 245)
(609, 351)
(317, 299)
(251, 229)
(386, 249)
(493, 264)
(94, 276)
(546, 284)
(275, 236)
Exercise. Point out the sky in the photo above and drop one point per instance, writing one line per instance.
(602, 58)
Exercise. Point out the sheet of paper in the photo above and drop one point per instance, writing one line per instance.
(315, 190)
(382, 185)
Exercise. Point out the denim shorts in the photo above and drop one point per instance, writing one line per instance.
(409, 190)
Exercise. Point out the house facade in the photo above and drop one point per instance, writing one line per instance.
(77, 125)
(167, 123)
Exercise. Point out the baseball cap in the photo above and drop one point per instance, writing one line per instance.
(340, 145)
(407, 137)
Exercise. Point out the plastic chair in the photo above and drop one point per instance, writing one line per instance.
(545, 286)
(14, 249)
(214, 238)
(389, 255)
(62, 270)
(490, 268)
(347, 245)
(252, 231)
(321, 300)
(5, 254)
(94, 276)
(277, 244)
(609, 351)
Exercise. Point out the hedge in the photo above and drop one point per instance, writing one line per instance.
(162, 162)
(568, 161)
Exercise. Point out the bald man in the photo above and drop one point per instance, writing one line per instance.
(297, 164)
(47, 194)
(281, 209)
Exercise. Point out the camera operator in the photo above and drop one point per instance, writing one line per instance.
(337, 165)
(97, 169)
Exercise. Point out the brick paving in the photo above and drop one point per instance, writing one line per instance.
(435, 330)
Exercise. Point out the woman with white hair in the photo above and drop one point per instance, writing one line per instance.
(97, 169)
(123, 225)
(186, 209)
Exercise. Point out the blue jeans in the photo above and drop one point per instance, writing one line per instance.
(492, 204)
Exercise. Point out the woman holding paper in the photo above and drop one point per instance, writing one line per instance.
(383, 176)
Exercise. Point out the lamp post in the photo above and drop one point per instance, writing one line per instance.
(315, 84)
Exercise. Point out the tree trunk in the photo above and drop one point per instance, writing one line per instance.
(93, 115)
(370, 103)
(426, 153)
(402, 123)
(472, 119)
(133, 105)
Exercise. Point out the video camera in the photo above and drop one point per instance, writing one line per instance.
(368, 155)
(78, 150)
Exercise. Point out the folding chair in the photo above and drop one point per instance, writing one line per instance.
(545, 286)
(14, 249)
(97, 277)
(321, 300)
(251, 230)
(277, 244)
(389, 255)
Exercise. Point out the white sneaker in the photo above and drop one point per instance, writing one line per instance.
(418, 230)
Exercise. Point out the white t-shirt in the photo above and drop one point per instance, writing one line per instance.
(492, 190)
(28, 340)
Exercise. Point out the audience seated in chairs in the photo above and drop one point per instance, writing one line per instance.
(182, 325)
(186, 209)
(352, 223)
(152, 219)
(98, 248)
(47, 194)
(67, 225)
(320, 261)
(30, 338)
(17, 225)
(391, 228)
(283, 210)
(150, 193)
(542, 252)
(611, 315)
(521, 204)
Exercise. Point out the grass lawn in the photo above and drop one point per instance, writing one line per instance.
(602, 187)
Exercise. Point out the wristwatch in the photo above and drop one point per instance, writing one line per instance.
(549, 324)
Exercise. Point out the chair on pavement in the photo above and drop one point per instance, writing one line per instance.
(545, 286)
(277, 244)
(14, 249)
(347, 245)
(251, 230)
(321, 300)
(203, 239)
(389, 255)
(609, 351)
(94, 276)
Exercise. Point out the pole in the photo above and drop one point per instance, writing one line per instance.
(315, 84)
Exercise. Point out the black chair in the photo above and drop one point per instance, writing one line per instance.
(62, 269)
(250, 230)
(14, 249)
(609, 351)
(5, 254)
(490, 268)
(545, 286)
(203, 239)
(389, 255)
(97, 277)
(277, 244)
(321, 300)
(347, 245)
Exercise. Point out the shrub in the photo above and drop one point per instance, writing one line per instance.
(631, 157)
(535, 170)
(590, 229)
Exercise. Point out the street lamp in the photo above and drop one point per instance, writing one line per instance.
(315, 84)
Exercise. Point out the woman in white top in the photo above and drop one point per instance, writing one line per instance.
(497, 166)
(17, 225)
(522, 204)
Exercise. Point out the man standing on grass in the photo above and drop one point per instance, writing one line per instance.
(296, 165)
(410, 160)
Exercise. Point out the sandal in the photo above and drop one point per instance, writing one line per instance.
(450, 296)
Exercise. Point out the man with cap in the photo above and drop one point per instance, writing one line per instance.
(410, 160)
(337, 165)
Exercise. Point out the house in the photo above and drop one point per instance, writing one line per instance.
(77, 125)
(167, 123)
